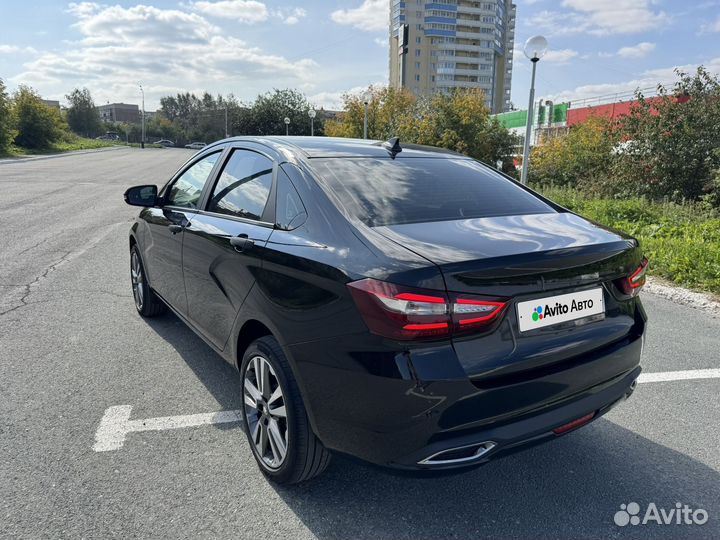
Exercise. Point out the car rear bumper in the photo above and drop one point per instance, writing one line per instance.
(398, 408)
(499, 440)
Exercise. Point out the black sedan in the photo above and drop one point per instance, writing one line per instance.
(402, 304)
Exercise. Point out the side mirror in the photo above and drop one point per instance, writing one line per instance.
(141, 196)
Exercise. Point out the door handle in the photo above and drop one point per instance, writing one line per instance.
(175, 228)
(241, 243)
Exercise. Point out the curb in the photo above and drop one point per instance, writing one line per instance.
(22, 159)
(686, 297)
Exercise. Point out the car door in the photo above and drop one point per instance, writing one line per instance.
(166, 225)
(224, 244)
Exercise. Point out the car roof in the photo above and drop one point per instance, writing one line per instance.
(324, 147)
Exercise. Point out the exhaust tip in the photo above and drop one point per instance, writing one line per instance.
(459, 455)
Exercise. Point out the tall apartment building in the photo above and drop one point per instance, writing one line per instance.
(437, 45)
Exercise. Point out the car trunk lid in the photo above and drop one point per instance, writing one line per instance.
(523, 258)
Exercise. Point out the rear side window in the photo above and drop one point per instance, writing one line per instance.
(243, 188)
(383, 191)
(290, 211)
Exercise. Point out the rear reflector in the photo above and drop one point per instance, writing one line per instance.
(401, 312)
(574, 424)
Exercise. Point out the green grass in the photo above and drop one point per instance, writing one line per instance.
(681, 241)
(70, 145)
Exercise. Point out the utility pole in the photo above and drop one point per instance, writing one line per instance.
(535, 48)
(312, 114)
(142, 139)
(367, 96)
(227, 133)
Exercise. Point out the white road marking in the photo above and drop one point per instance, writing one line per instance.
(116, 424)
(666, 376)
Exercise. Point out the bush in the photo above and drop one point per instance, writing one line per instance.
(675, 140)
(38, 126)
(579, 158)
(682, 241)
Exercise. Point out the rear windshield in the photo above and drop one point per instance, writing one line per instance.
(382, 191)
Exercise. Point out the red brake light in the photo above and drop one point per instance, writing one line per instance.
(400, 312)
(632, 284)
(395, 312)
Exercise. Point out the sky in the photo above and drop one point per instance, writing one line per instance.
(324, 49)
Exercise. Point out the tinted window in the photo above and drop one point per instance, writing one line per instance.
(244, 186)
(388, 192)
(289, 210)
(187, 188)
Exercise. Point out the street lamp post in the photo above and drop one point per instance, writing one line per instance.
(287, 126)
(366, 100)
(227, 134)
(312, 114)
(535, 48)
(142, 136)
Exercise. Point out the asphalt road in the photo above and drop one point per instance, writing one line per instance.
(71, 345)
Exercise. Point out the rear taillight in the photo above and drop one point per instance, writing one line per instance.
(468, 313)
(400, 312)
(632, 284)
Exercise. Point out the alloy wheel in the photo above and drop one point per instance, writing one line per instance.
(136, 276)
(265, 412)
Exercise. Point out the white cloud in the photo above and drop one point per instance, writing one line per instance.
(244, 11)
(121, 46)
(554, 56)
(647, 80)
(334, 100)
(83, 9)
(15, 49)
(637, 51)
(290, 15)
(600, 17)
(383, 42)
(711, 27)
(561, 56)
(371, 16)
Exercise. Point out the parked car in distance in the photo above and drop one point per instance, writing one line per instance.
(165, 142)
(196, 145)
(402, 304)
(108, 137)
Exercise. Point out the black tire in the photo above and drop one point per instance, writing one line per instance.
(146, 301)
(305, 455)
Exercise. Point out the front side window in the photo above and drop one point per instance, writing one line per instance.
(186, 190)
(243, 188)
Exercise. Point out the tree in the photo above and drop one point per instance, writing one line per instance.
(82, 116)
(270, 109)
(390, 114)
(581, 157)
(38, 126)
(7, 122)
(673, 140)
(186, 117)
(458, 121)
